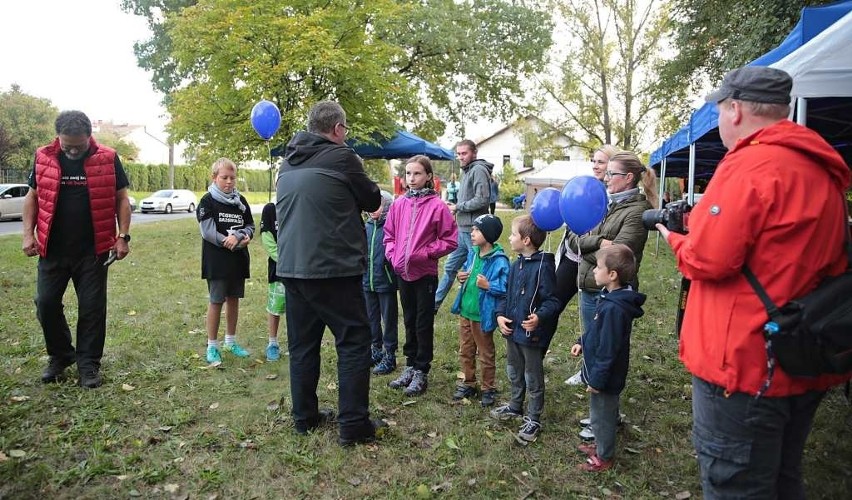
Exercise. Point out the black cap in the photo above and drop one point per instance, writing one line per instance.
(755, 84)
(490, 226)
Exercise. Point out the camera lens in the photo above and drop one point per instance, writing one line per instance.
(652, 217)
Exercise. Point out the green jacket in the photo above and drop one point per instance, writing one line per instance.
(622, 224)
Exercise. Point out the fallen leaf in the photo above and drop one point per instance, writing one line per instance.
(127, 387)
(171, 488)
(631, 450)
(354, 481)
(331, 387)
(682, 495)
(432, 434)
(489, 434)
(442, 487)
(423, 491)
(17, 453)
(451, 443)
(607, 492)
(409, 403)
(391, 423)
(18, 399)
(121, 477)
(471, 482)
(214, 406)
(131, 313)
(272, 376)
(165, 428)
(134, 493)
(273, 406)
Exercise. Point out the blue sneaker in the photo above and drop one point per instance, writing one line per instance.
(273, 352)
(236, 350)
(213, 355)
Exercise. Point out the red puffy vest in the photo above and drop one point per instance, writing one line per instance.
(100, 179)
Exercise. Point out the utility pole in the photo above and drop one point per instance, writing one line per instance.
(171, 147)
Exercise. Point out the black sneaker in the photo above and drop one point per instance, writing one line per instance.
(55, 370)
(387, 365)
(505, 412)
(375, 355)
(528, 432)
(403, 380)
(489, 397)
(464, 391)
(326, 416)
(418, 385)
(376, 431)
(90, 379)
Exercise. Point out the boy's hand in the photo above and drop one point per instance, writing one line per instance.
(531, 323)
(482, 282)
(505, 325)
(244, 243)
(230, 242)
(592, 390)
(462, 276)
(576, 349)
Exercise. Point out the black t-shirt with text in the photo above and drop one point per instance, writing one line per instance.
(72, 233)
(218, 262)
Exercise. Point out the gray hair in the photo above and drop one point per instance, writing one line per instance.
(73, 123)
(323, 117)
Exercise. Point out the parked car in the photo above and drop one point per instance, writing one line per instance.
(12, 200)
(169, 200)
(133, 205)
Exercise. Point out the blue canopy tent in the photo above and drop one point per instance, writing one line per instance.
(402, 145)
(695, 150)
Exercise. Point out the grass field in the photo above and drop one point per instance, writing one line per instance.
(165, 426)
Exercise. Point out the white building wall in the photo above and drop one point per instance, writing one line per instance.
(508, 142)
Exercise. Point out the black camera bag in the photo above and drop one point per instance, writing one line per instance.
(811, 335)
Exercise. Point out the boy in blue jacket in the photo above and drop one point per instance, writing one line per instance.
(380, 292)
(476, 304)
(605, 346)
(527, 318)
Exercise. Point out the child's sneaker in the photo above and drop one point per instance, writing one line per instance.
(237, 350)
(588, 449)
(464, 392)
(387, 365)
(273, 352)
(489, 397)
(375, 355)
(587, 434)
(595, 464)
(529, 430)
(419, 382)
(404, 379)
(505, 412)
(213, 354)
(576, 379)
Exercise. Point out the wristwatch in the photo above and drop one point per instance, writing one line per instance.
(125, 237)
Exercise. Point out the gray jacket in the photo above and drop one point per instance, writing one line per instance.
(474, 193)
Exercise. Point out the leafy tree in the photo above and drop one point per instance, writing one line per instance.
(715, 36)
(28, 123)
(510, 185)
(385, 61)
(609, 91)
(127, 151)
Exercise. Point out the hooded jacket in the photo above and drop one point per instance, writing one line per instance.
(495, 268)
(606, 343)
(776, 204)
(419, 230)
(379, 277)
(321, 191)
(531, 288)
(622, 224)
(474, 193)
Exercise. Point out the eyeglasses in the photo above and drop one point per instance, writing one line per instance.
(345, 128)
(74, 148)
(610, 173)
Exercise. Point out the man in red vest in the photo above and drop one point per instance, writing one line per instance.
(78, 189)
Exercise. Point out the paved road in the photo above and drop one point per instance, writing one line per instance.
(16, 226)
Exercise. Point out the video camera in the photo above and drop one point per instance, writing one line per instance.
(674, 216)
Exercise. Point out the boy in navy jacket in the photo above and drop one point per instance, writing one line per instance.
(527, 319)
(605, 346)
(380, 292)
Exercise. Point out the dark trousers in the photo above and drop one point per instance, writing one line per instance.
(566, 281)
(747, 447)
(337, 303)
(492, 208)
(90, 284)
(525, 368)
(383, 313)
(418, 315)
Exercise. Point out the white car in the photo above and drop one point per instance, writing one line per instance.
(169, 200)
(12, 200)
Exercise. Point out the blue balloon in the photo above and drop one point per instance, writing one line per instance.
(583, 203)
(265, 118)
(545, 209)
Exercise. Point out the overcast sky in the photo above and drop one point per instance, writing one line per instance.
(78, 54)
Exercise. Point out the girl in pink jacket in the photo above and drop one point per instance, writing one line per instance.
(419, 230)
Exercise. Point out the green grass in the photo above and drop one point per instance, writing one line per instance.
(164, 425)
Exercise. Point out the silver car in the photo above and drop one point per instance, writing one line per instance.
(12, 200)
(169, 200)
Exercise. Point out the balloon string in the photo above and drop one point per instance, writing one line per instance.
(269, 192)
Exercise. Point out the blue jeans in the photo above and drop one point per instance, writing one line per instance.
(452, 265)
(747, 447)
(383, 313)
(587, 308)
(603, 410)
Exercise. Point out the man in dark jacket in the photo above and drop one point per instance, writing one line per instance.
(473, 196)
(321, 190)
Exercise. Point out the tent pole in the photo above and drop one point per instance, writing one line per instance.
(660, 198)
(692, 174)
(802, 111)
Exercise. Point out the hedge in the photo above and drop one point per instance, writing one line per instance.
(195, 178)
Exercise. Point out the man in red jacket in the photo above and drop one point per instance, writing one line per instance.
(776, 203)
(78, 189)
